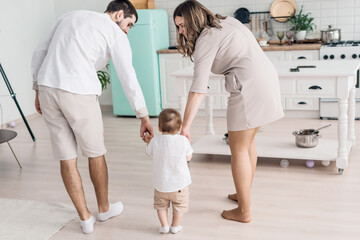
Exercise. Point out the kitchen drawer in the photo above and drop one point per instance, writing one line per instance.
(287, 86)
(317, 87)
(302, 55)
(294, 103)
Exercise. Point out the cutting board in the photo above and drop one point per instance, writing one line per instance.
(143, 4)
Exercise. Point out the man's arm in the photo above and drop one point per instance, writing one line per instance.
(121, 55)
(39, 56)
(120, 52)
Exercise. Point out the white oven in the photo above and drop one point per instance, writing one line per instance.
(347, 50)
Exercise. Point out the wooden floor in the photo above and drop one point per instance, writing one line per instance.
(294, 203)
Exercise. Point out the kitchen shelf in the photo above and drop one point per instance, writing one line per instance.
(277, 147)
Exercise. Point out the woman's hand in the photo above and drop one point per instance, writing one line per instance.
(186, 132)
(192, 106)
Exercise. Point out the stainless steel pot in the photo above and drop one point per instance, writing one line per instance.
(331, 35)
(306, 138)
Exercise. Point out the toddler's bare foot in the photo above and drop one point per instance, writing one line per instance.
(236, 215)
(232, 197)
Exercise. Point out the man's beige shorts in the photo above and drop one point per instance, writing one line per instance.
(73, 120)
(178, 199)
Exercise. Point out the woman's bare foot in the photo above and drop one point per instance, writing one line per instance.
(232, 196)
(236, 214)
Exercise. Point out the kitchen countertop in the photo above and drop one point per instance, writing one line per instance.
(271, 47)
(322, 69)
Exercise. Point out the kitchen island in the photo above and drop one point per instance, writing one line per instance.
(335, 79)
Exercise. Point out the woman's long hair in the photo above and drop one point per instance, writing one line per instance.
(196, 19)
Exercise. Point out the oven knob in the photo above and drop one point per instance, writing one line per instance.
(332, 56)
(354, 56)
(342, 56)
(326, 57)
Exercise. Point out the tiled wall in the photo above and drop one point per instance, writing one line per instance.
(343, 14)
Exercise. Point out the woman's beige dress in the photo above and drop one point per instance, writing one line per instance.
(250, 77)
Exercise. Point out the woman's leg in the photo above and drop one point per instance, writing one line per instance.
(242, 170)
(253, 160)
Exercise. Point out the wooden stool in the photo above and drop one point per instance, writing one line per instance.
(6, 136)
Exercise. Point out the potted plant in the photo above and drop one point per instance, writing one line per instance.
(301, 23)
(104, 77)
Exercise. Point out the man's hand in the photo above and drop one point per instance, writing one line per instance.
(147, 137)
(146, 127)
(37, 102)
(186, 132)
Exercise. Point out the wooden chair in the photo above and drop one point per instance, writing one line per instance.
(6, 136)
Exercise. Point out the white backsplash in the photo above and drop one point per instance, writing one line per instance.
(343, 14)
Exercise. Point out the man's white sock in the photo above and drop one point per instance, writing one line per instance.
(176, 229)
(164, 229)
(114, 210)
(88, 225)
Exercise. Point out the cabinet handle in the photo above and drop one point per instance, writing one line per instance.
(302, 103)
(301, 57)
(208, 87)
(315, 87)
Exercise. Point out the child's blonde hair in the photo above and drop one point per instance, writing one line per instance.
(170, 120)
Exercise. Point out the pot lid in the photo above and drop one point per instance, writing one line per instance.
(330, 29)
(281, 10)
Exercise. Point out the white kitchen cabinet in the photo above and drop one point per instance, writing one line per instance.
(339, 75)
(275, 55)
(170, 63)
(293, 55)
(302, 55)
(290, 90)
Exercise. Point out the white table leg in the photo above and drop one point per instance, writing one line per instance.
(351, 113)
(182, 105)
(342, 157)
(209, 115)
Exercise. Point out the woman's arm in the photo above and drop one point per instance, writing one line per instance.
(192, 106)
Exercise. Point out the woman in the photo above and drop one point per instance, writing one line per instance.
(223, 45)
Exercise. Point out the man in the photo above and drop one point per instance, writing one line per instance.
(65, 69)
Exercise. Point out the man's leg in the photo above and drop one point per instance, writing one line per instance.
(99, 177)
(73, 185)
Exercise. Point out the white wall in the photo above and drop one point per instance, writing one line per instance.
(344, 14)
(22, 26)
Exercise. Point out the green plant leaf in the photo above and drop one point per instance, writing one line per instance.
(104, 77)
(301, 21)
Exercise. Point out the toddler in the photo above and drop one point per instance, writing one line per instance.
(171, 176)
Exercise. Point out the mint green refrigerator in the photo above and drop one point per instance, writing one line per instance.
(150, 33)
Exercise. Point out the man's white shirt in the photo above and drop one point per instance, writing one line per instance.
(80, 44)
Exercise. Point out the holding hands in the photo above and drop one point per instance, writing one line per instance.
(148, 137)
(146, 128)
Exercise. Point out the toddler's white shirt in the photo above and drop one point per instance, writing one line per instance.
(170, 170)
